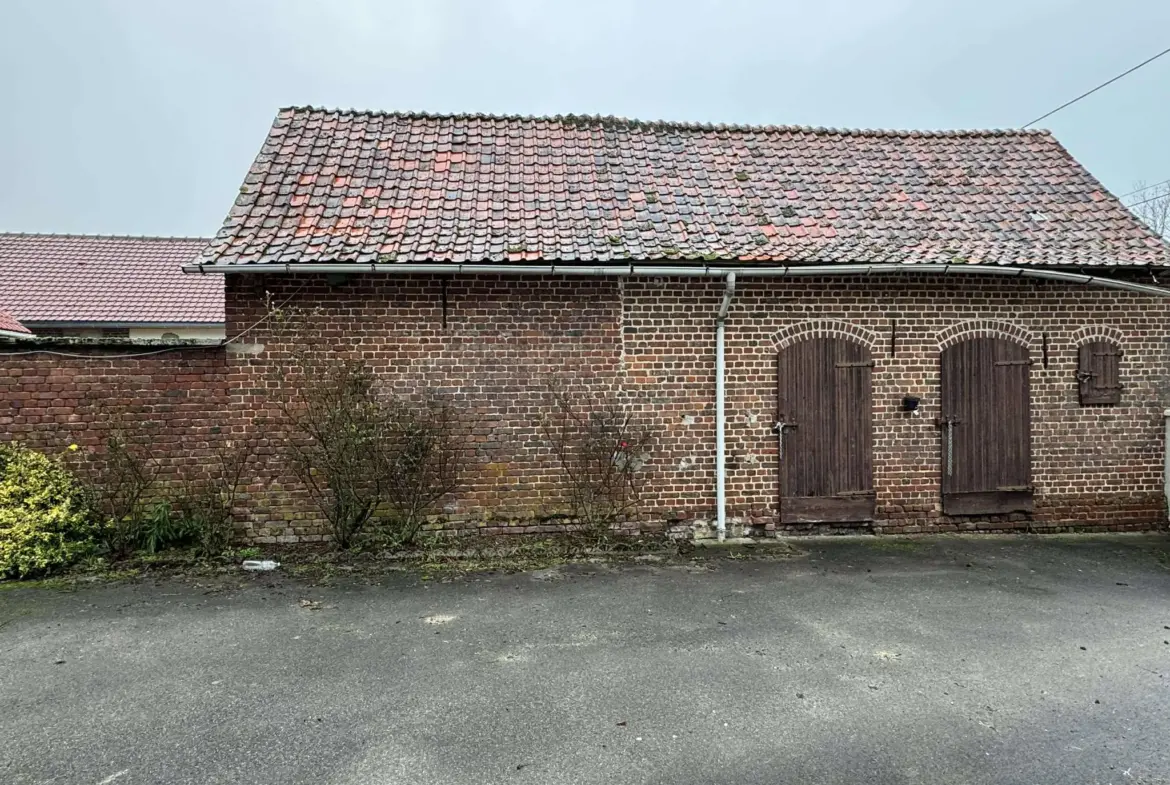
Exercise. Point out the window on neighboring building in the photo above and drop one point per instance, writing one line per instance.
(170, 336)
(1099, 373)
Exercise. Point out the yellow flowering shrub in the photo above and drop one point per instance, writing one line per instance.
(46, 522)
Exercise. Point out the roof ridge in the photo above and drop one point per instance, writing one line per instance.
(625, 122)
(73, 236)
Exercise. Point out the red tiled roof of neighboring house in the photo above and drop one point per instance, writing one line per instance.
(341, 186)
(9, 324)
(83, 278)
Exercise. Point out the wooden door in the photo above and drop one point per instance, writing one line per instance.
(824, 427)
(985, 423)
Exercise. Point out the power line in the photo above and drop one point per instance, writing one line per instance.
(1098, 87)
(1143, 188)
(1144, 201)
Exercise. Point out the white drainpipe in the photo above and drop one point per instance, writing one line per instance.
(720, 418)
(1166, 461)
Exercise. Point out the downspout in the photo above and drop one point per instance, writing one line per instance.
(1166, 461)
(720, 417)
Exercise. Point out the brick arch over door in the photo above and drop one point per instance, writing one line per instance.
(825, 328)
(1097, 332)
(1098, 350)
(988, 328)
(824, 425)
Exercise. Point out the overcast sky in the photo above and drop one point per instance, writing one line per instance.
(142, 116)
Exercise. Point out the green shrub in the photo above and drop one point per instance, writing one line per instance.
(46, 522)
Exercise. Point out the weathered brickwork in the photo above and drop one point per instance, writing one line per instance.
(175, 401)
(501, 343)
(1093, 467)
(494, 343)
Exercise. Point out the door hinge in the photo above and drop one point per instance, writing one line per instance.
(1015, 362)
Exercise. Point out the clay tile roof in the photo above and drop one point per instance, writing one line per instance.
(346, 186)
(79, 278)
(9, 325)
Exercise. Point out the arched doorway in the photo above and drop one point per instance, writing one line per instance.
(824, 425)
(985, 422)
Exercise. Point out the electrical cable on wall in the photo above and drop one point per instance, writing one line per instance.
(133, 355)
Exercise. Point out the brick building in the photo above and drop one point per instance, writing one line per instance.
(828, 330)
(915, 331)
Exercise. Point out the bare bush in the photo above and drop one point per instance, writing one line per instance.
(120, 481)
(426, 458)
(206, 507)
(339, 445)
(602, 449)
(368, 458)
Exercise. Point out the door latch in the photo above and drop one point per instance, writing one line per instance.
(949, 422)
(778, 429)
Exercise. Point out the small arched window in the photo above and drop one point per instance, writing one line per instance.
(1098, 372)
(170, 336)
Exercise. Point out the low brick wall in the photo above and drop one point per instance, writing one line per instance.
(78, 392)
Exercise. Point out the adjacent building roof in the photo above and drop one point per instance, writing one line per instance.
(347, 186)
(10, 325)
(97, 279)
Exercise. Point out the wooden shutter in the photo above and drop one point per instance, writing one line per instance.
(1098, 373)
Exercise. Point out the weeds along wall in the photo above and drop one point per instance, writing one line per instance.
(494, 344)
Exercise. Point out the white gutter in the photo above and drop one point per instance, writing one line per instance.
(705, 271)
(720, 418)
(15, 335)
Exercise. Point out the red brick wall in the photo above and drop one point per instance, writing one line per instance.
(504, 340)
(498, 340)
(1093, 467)
(175, 401)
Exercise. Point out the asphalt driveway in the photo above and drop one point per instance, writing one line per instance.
(951, 660)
